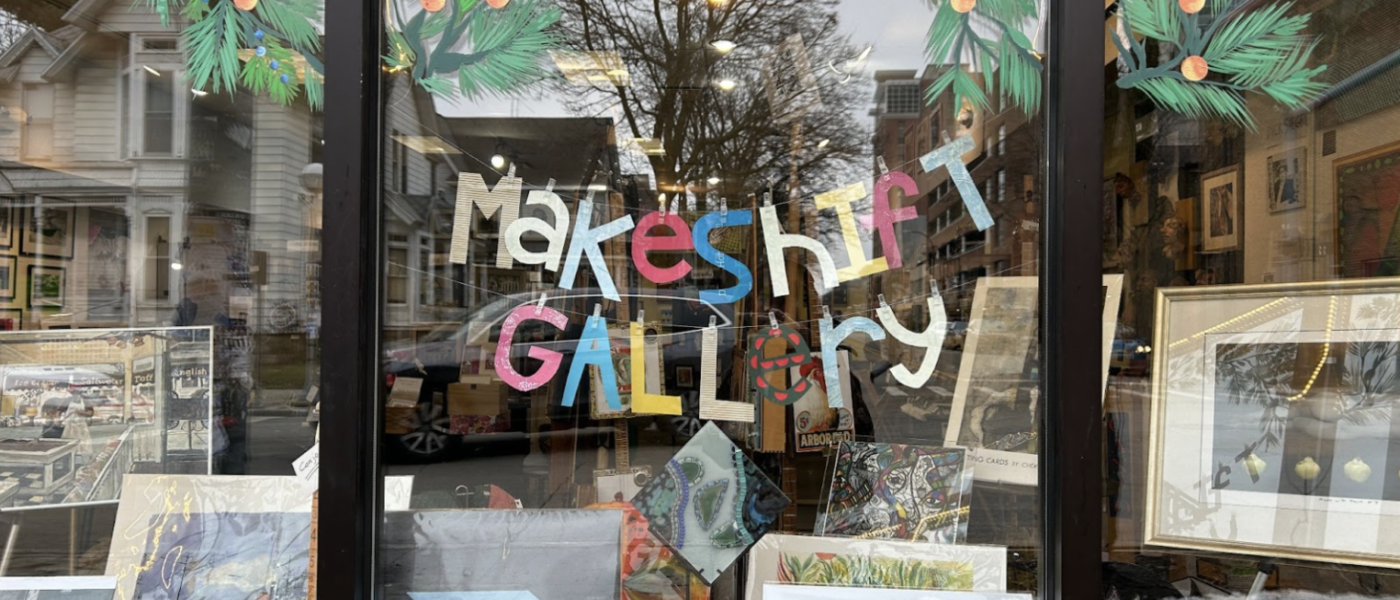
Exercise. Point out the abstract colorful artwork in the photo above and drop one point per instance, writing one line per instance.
(896, 491)
(827, 561)
(650, 569)
(710, 503)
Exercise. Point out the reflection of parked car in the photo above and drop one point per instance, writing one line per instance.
(439, 358)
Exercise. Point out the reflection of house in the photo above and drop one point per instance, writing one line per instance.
(119, 174)
(424, 153)
(1003, 166)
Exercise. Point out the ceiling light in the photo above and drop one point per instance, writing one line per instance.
(824, 143)
(176, 266)
(151, 71)
(724, 46)
(498, 161)
(713, 180)
(728, 84)
(198, 92)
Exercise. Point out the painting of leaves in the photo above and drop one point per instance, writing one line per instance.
(1306, 418)
(987, 34)
(1214, 52)
(821, 568)
(471, 47)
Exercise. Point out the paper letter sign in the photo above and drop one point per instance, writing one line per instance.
(710, 408)
(593, 349)
(931, 340)
(950, 157)
(841, 201)
(701, 236)
(885, 217)
(472, 191)
(586, 240)
(550, 358)
(554, 234)
(642, 402)
(831, 338)
(774, 240)
(643, 242)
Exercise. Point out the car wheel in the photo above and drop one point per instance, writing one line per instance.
(430, 438)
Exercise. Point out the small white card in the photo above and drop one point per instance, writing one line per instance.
(308, 469)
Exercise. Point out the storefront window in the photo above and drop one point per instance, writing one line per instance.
(160, 202)
(704, 299)
(1250, 189)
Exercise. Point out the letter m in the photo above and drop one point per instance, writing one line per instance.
(505, 199)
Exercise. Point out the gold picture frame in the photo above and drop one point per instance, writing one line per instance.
(1265, 396)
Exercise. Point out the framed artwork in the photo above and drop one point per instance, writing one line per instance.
(46, 286)
(57, 588)
(685, 377)
(780, 591)
(7, 227)
(857, 563)
(1288, 173)
(995, 396)
(9, 273)
(1220, 210)
(710, 502)
(817, 425)
(900, 492)
(149, 395)
(1271, 430)
(49, 233)
(1368, 210)
(11, 319)
(257, 528)
(552, 554)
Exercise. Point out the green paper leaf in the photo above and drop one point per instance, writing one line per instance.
(1157, 19)
(1197, 100)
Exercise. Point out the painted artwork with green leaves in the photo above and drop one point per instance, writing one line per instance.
(821, 568)
(471, 47)
(989, 35)
(1212, 52)
(270, 47)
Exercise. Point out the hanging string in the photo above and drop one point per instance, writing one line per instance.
(692, 329)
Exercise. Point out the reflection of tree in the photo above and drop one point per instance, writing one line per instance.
(673, 95)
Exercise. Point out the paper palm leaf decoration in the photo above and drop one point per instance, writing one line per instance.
(1215, 61)
(470, 47)
(954, 37)
(270, 46)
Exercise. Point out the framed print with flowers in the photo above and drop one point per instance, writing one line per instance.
(1272, 416)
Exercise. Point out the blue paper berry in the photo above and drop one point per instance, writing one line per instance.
(261, 50)
(274, 64)
(257, 34)
(285, 78)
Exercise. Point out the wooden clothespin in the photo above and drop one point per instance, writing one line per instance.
(883, 304)
(772, 321)
(880, 162)
(549, 187)
(539, 306)
(826, 312)
(712, 321)
(511, 171)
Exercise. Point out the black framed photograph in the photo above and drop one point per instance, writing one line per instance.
(49, 232)
(685, 377)
(1220, 210)
(7, 233)
(1288, 180)
(8, 266)
(46, 286)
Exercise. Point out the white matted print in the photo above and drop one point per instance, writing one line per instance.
(1220, 210)
(852, 562)
(779, 591)
(994, 401)
(1271, 432)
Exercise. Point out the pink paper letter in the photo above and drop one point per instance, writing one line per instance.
(885, 217)
(643, 241)
(551, 358)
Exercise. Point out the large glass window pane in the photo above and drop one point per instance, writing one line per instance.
(160, 201)
(714, 298)
(1250, 209)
